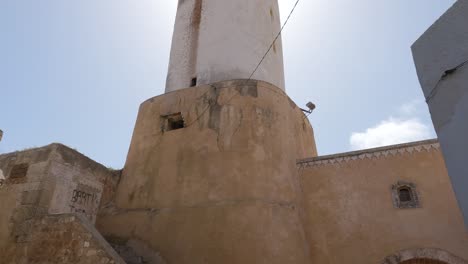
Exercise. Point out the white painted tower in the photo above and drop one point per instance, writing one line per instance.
(218, 40)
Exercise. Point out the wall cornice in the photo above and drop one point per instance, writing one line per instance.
(374, 153)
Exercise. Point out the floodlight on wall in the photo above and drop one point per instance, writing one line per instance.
(311, 107)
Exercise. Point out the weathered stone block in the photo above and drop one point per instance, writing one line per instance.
(30, 197)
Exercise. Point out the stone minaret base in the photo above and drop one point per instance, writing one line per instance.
(211, 176)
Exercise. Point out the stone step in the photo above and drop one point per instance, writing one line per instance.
(129, 255)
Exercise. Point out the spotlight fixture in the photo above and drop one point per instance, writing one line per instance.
(311, 107)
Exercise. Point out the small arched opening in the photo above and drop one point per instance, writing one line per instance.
(405, 195)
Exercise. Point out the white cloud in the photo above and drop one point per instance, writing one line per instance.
(406, 127)
(415, 107)
(409, 108)
(389, 132)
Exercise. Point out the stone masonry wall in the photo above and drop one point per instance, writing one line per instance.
(66, 238)
(24, 194)
(50, 180)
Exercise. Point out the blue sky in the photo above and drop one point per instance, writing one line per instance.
(75, 72)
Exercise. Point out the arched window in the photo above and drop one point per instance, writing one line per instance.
(404, 195)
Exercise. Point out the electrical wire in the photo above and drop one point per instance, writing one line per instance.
(259, 63)
(276, 38)
(306, 116)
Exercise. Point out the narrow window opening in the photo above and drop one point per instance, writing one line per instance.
(174, 121)
(193, 82)
(19, 171)
(404, 195)
(175, 124)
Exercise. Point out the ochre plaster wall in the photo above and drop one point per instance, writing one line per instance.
(222, 189)
(351, 217)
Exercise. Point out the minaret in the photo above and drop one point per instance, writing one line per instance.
(218, 40)
(211, 174)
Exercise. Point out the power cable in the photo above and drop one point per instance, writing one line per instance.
(276, 38)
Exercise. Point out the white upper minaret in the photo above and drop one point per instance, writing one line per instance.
(218, 40)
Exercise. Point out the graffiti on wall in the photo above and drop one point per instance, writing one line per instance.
(85, 200)
(83, 197)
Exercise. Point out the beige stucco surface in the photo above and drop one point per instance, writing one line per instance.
(222, 189)
(350, 215)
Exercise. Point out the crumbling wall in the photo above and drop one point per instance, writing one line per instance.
(24, 193)
(81, 184)
(66, 238)
(50, 180)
